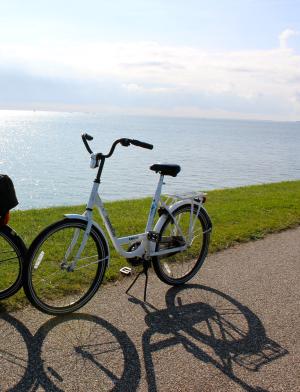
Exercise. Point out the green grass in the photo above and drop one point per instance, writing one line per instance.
(238, 215)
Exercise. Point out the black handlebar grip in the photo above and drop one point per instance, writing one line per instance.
(141, 144)
(86, 137)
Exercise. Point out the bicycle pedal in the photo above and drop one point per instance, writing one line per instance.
(126, 270)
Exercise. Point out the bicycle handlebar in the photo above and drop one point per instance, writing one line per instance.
(85, 137)
(141, 144)
(124, 141)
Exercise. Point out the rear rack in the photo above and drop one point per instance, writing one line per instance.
(190, 196)
(196, 199)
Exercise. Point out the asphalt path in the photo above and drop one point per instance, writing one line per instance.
(235, 327)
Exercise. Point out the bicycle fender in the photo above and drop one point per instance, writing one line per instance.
(96, 227)
(208, 220)
(164, 217)
(173, 207)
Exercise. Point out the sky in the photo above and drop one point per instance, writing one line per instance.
(213, 59)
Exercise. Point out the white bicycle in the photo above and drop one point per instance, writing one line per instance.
(67, 261)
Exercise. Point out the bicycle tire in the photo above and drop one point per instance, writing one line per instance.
(12, 255)
(169, 268)
(56, 290)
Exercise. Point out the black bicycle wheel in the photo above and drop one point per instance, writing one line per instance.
(179, 267)
(12, 254)
(49, 284)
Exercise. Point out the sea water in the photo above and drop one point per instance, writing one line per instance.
(44, 155)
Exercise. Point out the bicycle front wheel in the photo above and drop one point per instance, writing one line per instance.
(50, 284)
(12, 254)
(176, 268)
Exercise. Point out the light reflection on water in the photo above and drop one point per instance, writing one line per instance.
(44, 155)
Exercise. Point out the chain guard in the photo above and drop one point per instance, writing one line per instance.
(134, 261)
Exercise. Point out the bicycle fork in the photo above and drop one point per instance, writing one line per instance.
(72, 266)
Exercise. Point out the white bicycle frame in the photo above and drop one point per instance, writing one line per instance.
(147, 246)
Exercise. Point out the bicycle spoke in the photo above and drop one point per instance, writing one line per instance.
(86, 265)
(181, 264)
(60, 281)
(10, 259)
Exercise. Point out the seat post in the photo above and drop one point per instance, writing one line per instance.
(154, 204)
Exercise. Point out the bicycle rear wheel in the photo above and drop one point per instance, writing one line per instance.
(12, 254)
(179, 267)
(49, 285)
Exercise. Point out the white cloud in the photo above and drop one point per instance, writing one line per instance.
(135, 88)
(150, 69)
(285, 35)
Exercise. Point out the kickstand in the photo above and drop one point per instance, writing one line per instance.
(146, 265)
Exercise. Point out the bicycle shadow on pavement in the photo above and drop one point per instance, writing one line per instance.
(76, 352)
(16, 357)
(211, 327)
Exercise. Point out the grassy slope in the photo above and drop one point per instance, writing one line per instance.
(238, 215)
